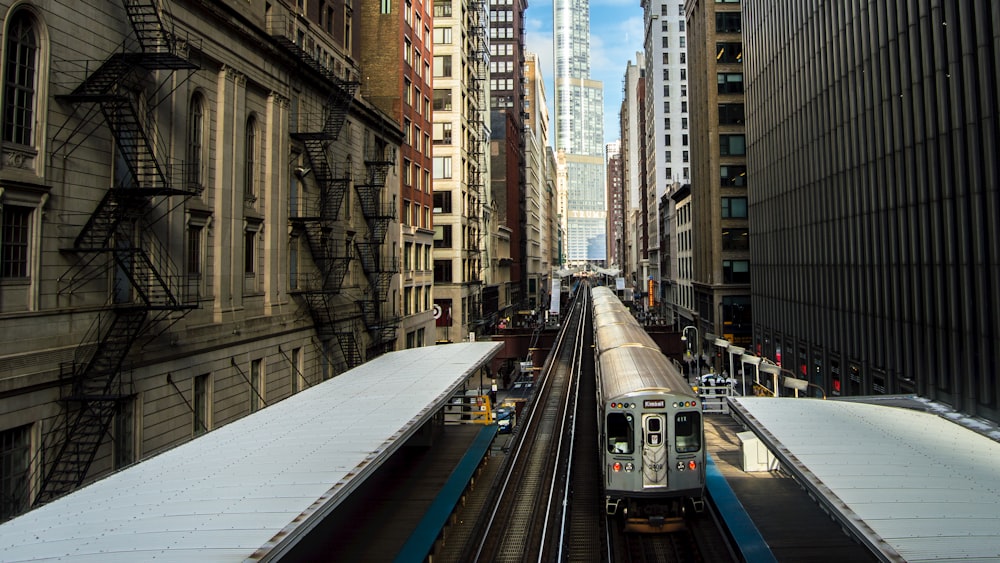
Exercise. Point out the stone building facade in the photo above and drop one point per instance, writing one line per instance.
(197, 222)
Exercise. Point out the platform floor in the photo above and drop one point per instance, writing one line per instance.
(378, 518)
(792, 524)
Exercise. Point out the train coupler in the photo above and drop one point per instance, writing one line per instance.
(611, 506)
(698, 505)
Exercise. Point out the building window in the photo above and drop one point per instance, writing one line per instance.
(442, 66)
(442, 8)
(250, 166)
(256, 385)
(729, 53)
(20, 75)
(195, 140)
(728, 22)
(124, 434)
(442, 270)
(734, 208)
(735, 239)
(14, 245)
(442, 167)
(348, 32)
(442, 236)
(201, 404)
(296, 361)
(730, 82)
(442, 202)
(731, 114)
(736, 271)
(442, 133)
(442, 99)
(14, 464)
(442, 35)
(730, 175)
(732, 145)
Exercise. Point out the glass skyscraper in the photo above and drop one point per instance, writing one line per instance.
(580, 131)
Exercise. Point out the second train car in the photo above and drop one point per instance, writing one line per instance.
(650, 424)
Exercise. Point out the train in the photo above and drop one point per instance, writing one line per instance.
(650, 429)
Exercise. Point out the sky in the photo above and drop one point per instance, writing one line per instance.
(615, 37)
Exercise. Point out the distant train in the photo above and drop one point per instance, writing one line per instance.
(651, 437)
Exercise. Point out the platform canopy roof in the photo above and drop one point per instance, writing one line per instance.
(255, 486)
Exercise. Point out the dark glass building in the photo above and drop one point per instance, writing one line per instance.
(872, 145)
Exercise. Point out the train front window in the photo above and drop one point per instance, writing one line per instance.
(619, 432)
(687, 431)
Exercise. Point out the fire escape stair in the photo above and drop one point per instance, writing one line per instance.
(117, 227)
(348, 342)
(96, 391)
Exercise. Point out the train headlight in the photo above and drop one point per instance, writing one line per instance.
(680, 466)
(616, 467)
(629, 466)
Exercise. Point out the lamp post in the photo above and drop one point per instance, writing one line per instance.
(754, 361)
(736, 351)
(697, 353)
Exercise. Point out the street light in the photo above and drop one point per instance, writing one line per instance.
(697, 354)
(754, 361)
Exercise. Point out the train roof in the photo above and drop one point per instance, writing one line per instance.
(611, 336)
(634, 369)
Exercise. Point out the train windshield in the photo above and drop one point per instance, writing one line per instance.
(687, 431)
(620, 433)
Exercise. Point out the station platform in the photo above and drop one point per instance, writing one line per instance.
(793, 525)
(389, 517)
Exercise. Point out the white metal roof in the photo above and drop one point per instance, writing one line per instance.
(254, 485)
(925, 486)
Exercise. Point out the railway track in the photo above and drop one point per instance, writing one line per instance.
(546, 503)
(525, 522)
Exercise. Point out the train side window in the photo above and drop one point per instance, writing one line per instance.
(687, 431)
(619, 432)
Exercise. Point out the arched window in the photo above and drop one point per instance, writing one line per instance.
(195, 141)
(250, 170)
(20, 75)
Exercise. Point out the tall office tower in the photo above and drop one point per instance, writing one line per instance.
(540, 196)
(667, 143)
(461, 139)
(874, 196)
(616, 205)
(580, 131)
(507, 159)
(631, 159)
(398, 82)
(721, 247)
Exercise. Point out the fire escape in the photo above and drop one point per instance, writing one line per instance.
(479, 141)
(316, 218)
(120, 235)
(377, 259)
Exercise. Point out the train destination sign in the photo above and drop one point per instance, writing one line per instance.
(654, 403)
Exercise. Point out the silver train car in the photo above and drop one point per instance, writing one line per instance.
(651, 437)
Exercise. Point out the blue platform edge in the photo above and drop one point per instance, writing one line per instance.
(426, 533)
(744, 534)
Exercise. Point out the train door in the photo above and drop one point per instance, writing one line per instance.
(654, 451)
